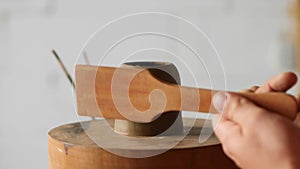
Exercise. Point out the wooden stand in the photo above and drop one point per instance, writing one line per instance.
(71, 148)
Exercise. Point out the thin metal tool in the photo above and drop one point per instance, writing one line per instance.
(64, 68)
(86, 58)
(66, 71)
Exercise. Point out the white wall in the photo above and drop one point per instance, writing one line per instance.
(35, 95)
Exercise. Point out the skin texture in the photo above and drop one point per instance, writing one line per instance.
(254, 137)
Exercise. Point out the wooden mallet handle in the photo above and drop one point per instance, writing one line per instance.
(281, 103)
(278, 102)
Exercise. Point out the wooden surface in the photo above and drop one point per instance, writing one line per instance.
(71, 148)
(168, 122)
(124, 93)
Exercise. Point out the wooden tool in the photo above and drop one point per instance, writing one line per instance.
(138, 95)
(167, 123)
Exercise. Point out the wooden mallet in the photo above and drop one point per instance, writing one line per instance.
(137, 95)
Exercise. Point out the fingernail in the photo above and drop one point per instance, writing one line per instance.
(219, 101)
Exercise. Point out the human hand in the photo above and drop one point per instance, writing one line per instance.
(279, 83)
(254, 137)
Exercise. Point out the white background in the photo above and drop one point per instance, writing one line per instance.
(35, 95)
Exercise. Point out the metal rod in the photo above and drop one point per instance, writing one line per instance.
(66, 71)
(64, 68)
(86, 58)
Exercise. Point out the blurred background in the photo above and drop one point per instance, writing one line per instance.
(255, 39)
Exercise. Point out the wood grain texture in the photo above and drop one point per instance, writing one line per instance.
(137, 95)
(71, 148)
(167, 122)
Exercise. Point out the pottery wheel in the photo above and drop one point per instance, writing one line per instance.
(102, 131)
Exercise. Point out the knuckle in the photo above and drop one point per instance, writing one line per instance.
(236, 102)
(254, 88)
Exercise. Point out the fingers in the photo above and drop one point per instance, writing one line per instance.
(297, 119)
(229, 134)
(225, 127)
(238, 120)
(279, 83)
(241, 126)
(239, 110)
(298, 101)
(251, 90)
(254, 88)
